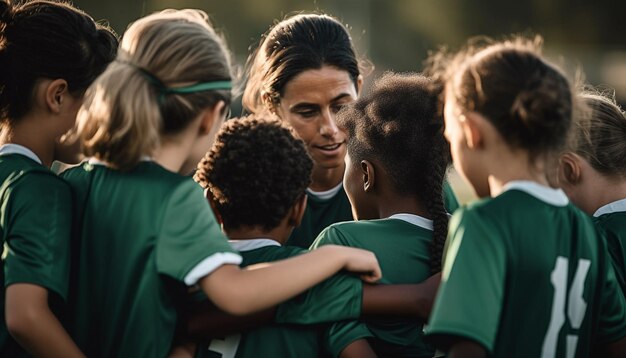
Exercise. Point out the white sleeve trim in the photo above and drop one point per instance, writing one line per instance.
(210, 264)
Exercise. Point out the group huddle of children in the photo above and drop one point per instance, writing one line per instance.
(123, 255)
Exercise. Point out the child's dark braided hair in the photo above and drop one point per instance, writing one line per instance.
(399, 124)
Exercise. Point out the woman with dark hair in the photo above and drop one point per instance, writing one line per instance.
(50, 52)
(304, 71)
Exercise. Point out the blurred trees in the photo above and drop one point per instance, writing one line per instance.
(396, 34)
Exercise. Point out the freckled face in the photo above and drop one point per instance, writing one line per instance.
(309, 104)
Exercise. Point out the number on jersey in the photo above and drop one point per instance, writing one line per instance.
(576, 306)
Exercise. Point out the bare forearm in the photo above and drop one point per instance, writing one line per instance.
(466, 349)
(43, 336)
(205, 321)
(401, 300)
(255, 288)
(33, 325)
(358, 349)
(616, 349)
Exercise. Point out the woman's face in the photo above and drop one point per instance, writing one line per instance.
(309, 104)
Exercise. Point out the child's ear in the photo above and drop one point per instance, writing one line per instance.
(211, 117)
(369, 176)
(297, 211)
(55, 92)
(471, 125)
(569, 169)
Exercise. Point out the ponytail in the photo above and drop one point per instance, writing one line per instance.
(171, 66)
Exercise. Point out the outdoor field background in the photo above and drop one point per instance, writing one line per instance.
(397, 34)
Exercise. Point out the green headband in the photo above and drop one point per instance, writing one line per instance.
(198, 87)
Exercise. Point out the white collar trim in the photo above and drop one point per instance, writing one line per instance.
(325, 195)
(546, 194)
(12, 148)
(252, 244)
(96, 161)
(415, 220)
(614, 207)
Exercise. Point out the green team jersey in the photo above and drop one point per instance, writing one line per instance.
(526, 275)
(401, 244)
(326, 208)
(143, 237)
(611, 221)
(35, 226)
(322, 210)
(291, 340)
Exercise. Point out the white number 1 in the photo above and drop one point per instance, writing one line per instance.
(575, 309)
(227, 347)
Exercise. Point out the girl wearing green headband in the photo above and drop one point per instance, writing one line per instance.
(145, 233)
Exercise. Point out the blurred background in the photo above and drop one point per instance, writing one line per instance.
(397, 34)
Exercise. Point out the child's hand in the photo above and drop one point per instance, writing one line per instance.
(363, 262)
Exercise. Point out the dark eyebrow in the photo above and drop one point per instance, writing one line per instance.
(341, 96)
(305, 105)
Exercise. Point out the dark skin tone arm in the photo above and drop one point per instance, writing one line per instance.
(466, 349)
(358, 349)
(205, 321)
(616, 349)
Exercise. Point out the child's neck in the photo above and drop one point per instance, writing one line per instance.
(326, 178)
(278, 234)
(511, 166)
(608, 190)
(390, 203)
(174, 151)
(27, 133)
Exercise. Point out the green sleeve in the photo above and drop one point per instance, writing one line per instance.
(329, 236)
(191, 244)
(473, 276)
(612, 325)
(37, 217)
(450, 201)
(341, 334)
(337, 298)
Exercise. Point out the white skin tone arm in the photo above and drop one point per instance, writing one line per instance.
(243, 291)
(33, 325)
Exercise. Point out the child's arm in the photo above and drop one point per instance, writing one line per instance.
(33, 325)
(243, 291)
(466, 349)
(616, 349)
(401, 300)
(205, 321)
(358, 349)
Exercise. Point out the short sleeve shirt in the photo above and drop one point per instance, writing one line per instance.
(525, 275)
(143, 237)
(35, 226)
(401, 244)
(287, 339)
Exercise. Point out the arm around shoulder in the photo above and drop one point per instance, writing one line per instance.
(249, 290)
